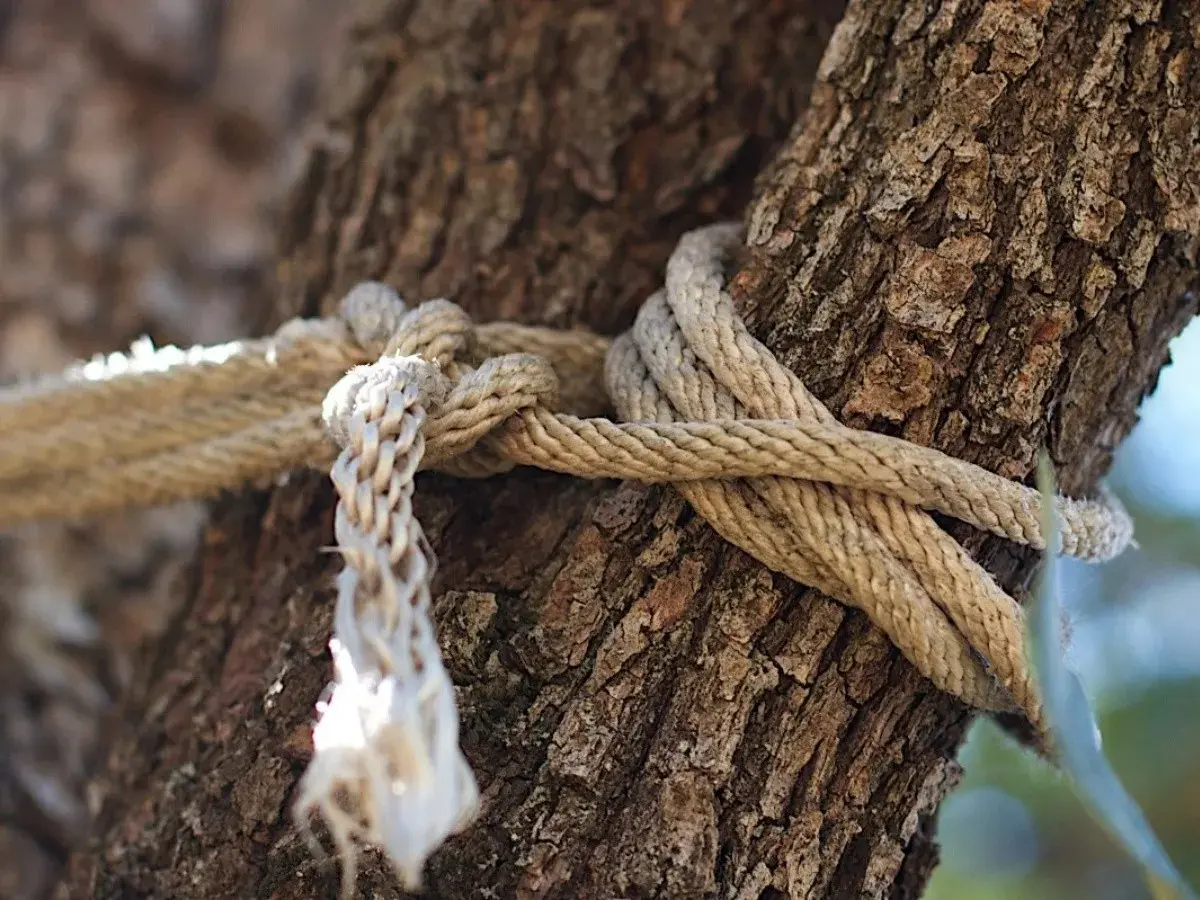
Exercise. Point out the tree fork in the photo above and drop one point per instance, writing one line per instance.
(980, 235)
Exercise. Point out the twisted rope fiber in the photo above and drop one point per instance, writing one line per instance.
(704, 406)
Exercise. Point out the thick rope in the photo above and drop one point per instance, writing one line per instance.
(705, 407)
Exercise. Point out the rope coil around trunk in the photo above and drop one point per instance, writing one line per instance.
(699, 403)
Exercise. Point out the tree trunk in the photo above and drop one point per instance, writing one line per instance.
(980, 235)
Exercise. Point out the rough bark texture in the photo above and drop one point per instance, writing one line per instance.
(981, 236)
(146, 147)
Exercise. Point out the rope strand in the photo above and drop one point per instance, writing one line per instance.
(700, 404)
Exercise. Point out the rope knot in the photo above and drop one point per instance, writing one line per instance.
(362, 395)
(465, 404)
(700, 403)
(373, 311)
(690, 357)
(483, 399)
(438, 331)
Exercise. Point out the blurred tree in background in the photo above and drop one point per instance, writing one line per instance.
(146, 147)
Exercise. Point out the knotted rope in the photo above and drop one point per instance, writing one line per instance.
(700, 403)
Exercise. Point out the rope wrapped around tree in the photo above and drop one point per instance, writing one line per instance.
(698, 403)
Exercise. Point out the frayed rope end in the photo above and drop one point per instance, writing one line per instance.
(386, 771)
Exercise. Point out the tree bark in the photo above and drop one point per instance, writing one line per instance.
(980, 235)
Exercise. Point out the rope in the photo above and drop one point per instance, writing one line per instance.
(699, 403)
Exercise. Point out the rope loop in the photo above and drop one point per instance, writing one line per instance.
(688, 396)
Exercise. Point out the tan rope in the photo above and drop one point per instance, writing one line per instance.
(705, 406)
